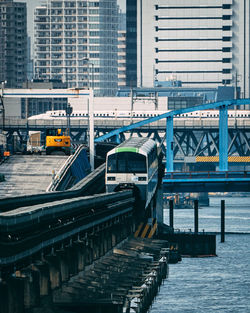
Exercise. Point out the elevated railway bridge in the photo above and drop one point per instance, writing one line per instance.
(193, 138)
(47, 238)
(69, 249)
(189, 137)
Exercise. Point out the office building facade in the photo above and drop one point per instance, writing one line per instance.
(131, 43)
(76, 42)
(13, 43)
(201, 43)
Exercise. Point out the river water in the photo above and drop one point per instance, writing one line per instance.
(213, 284)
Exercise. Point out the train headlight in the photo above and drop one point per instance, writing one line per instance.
(111, 178)
(142, 178)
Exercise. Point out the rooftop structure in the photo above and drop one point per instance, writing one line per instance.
(178, 96)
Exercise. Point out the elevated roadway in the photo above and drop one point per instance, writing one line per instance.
(28, 174)
(229, 181)
(192, 137)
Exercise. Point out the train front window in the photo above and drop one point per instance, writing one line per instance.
(126, 162)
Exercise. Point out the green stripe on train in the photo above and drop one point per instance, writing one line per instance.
(127, 149)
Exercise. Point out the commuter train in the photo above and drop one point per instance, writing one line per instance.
(61, 114)
(133, 165)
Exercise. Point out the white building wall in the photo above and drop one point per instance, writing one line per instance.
(202, 43)
(241, 12)
(119, 104)
(12, 107)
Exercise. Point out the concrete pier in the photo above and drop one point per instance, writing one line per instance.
(31, 288)
(128, 278)
(124, 279)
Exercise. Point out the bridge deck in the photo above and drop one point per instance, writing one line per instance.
(113, 123)
(28, 174)
(207, 181)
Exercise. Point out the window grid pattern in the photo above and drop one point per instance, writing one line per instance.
(76, 42)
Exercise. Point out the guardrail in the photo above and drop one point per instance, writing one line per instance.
(207, 174)
(38, 215)
(25, 232)
(235, 181)
(74, 169)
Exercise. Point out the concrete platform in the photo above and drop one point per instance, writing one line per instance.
(28, 174)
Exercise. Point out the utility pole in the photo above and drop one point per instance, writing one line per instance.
(91, 116)
(236, 86)
(69, 111)
(2, 107)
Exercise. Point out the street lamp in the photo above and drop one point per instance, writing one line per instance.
(69, 111)
(2, 109)
(91, 117)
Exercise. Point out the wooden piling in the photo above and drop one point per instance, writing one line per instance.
(171, 213)
(222, 206)
(196, 216)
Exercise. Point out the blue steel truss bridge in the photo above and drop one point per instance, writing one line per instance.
(190, 140)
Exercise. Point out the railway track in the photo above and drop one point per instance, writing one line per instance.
(28, 230)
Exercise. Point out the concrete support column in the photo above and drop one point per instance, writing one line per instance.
(12, 299)
(64, 264)
(44, 277)
(96, 247)
(106, 241)
(89, 252)
(80, 256)
(123, 232)
(130, 227)
(203, 199)
(4, 299)
(72, 259)
(102, 244)
(54, 271)
(31, 287)
(113, 238)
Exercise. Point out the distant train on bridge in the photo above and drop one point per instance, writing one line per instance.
(61, 114)
(133, 165)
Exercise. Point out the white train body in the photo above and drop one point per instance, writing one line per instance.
(133, 165)
(134, 115)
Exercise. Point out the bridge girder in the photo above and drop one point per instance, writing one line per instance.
(187, 142)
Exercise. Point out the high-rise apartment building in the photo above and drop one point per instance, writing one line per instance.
(202, 43)
(122, 50)
(13, 43)
(76, 42)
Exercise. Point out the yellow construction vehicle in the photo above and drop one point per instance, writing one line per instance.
(57, 142)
